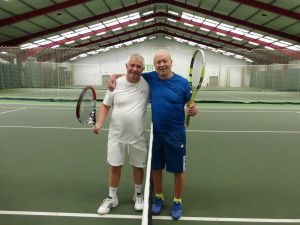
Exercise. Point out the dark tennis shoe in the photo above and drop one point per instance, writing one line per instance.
(157, 206)
(176, 210)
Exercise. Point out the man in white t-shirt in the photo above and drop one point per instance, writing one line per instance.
(126, 134)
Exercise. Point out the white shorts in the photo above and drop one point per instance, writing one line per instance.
(137, 152)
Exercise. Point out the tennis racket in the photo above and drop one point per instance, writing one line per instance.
(197, 68)
(86, 106)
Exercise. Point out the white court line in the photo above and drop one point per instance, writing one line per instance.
(12, 110)
(244, 131)
(229, 95)
(117, 216)
(196, 131)
(249, 111)
(62, 128)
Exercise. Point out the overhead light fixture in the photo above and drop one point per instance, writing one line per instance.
(172, 20)
(201, 28)
(238, 39)
(100, 33)
(252, 43)
(149, 20)
(187, 24)
(134, 24)
(119, 28)
(172, 12)
(147, 13)
(221, 34)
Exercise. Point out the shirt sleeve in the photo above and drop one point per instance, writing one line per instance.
(108, 99)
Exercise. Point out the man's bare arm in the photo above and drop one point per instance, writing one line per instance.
(111, 83)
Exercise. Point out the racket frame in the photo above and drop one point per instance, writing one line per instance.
(193, 93)
(92, 117)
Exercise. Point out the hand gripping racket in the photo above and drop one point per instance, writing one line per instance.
(197, 68)
(86, 106)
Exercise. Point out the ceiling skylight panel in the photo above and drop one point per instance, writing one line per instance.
(282, 43)
(253, 35)
(198, 19)
(128, 43)
(39, 41)
(83, 30)
(187, 24)
(149, 20)
(174, 13)
(119, 28)
(134, 24)
(123, 19)
(225, 27)
(172, 20)
(97, 26)
(187, 16)
(268, 39)
(147, 13)
(134, 16)
(211, 23)
(192, 43)
(110, 23)
(294, 47)
(240, 31)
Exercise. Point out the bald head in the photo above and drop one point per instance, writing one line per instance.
(163, 64)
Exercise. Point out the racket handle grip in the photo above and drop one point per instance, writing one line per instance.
(187, 121)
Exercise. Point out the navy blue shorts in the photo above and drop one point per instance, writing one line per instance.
(169, 150)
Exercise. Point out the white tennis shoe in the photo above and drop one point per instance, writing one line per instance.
(138, 202)
(107, 204)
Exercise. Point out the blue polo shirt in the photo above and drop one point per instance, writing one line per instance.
(168, 98)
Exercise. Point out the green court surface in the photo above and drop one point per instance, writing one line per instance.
(242, 167)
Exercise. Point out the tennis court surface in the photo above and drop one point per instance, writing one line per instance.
(243, 163)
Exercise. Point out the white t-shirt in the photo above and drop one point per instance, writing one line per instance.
(129, 105)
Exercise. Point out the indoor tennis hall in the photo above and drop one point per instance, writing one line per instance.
(242, 146)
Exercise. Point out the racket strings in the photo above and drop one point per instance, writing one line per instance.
(87, 106)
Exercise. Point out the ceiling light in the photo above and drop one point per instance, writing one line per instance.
(172, 20)
(201, 28)
(147, 13)
(221, 34)
(119, 28)
(131, 25)
(238, 39)
(101, 33)
(187, 24)
(252, 43)
(172, 12)
(149, 20)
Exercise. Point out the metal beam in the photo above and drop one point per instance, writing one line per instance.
(270, 8)
(20, 40)
(40, 12)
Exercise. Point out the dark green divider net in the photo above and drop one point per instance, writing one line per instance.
(60, 74)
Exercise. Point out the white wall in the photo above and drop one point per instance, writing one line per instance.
(89, 70)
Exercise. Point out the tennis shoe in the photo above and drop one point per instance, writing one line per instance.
(107, 204)
(157, 206)
(176, 210)
(138, 201)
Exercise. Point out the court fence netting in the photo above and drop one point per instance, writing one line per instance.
(232, 75)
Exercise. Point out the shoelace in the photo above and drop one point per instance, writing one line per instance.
(177, 206)
(107, 201)
(157, 201)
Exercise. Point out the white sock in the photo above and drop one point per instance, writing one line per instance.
(112, 192)
(137, 188)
